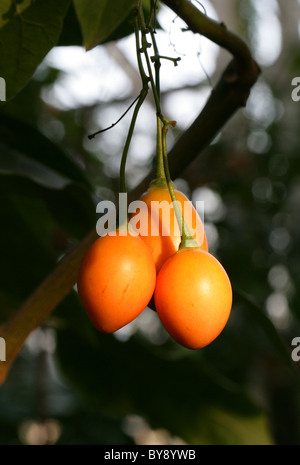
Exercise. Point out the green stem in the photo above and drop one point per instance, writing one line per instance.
(187, 240)
(123, 187)
(160, 170)
(157, 64)
(155, 85)
(140, 101)
(162, 167)
(144, 49)
(91, 136)
(152, 17)
(157, 57)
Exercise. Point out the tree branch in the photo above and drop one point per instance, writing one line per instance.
(200, 23)
(227, 97)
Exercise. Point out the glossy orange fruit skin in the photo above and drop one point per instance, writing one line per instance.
(193, 297)
(116, 280)
(166, 238)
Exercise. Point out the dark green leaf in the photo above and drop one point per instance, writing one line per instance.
(37, 224)
(26, 234)
(21, 138)
(73, 209)
(71, 32)
(126, 27)
(15, 163)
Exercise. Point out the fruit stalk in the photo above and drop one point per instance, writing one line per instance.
(141, 99)
(187, 240)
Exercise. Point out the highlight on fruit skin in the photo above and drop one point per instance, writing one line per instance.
(116, 280)
(158, 226)
(193, 297)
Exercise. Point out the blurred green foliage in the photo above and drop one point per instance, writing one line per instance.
(72, 385)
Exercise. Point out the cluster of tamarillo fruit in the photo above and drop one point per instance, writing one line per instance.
(124, 272)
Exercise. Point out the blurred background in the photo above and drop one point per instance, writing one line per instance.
(72, 385)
